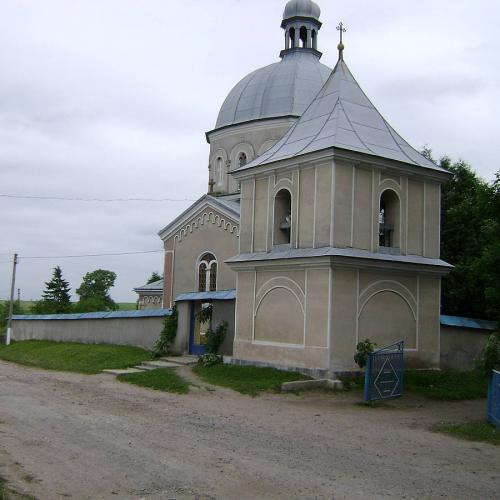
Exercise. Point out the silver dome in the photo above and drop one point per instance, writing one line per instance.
(281, 89)
(301, 8)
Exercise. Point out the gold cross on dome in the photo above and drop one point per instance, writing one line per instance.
(340, 46)
(341, 28)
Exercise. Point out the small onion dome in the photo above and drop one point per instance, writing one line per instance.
(301, 8)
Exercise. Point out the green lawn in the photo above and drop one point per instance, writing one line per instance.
(442, 385)
(480, 431)
(447, 386)
(246, 379)
(79, 358)
(163, 379)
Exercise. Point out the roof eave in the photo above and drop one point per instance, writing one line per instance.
(171, 228)
(334, 152)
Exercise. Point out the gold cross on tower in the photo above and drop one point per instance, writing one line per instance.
(340, 46)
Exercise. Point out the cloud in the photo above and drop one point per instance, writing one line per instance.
(112, 100)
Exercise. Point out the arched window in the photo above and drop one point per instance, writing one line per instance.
(292, 37)
(389, 217)
(207, 273)
(219, 173)
(242, 159)
(314, 39)
(282, 217)
(303, 36)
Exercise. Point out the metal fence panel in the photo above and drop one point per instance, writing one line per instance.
(494, 399)
(384, 376)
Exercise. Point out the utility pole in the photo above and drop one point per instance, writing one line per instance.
(11, 304)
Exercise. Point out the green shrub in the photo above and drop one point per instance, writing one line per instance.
(167, 336)
(209, 359)
(490, 358)
(363, 350)
(215, 338)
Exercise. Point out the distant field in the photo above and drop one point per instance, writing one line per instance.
(27, 304)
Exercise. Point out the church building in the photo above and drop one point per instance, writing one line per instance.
(321, 226)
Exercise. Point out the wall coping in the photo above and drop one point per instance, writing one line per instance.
(474, 324)
(145, 313)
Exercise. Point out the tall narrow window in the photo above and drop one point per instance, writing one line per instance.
(292, 37)
(207, 273)
(303, 36)
(282, 217)
(202, 277)
(219, 174)
(389, 217)
(213, 277)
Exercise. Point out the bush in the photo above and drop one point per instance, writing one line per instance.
(167, 336)
(363, 350)
(490, 358)
(216, 338)
(209, 359)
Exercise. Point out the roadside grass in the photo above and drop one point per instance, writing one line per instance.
(447, 385)
(440, 385)
(477, 431)
(249, 380)
(79, 358)
(162, 379)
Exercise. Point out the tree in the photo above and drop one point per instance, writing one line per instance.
(94, 292)
(56, 298)
(4, 312)
(471, 242)
(154, 278)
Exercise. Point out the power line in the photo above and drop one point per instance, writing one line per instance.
(46, 257)
(98, 200)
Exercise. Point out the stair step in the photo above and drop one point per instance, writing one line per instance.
(122, 372)
(161, 364)
(180, 360)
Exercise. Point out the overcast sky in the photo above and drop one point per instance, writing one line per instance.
(111, 99)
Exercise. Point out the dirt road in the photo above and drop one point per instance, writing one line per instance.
(75, 436)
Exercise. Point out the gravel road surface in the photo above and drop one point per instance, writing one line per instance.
(74, 436)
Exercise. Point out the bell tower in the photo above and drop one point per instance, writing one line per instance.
(301, 24)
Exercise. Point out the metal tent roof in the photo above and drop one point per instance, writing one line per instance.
(341, 116)
(156, 286)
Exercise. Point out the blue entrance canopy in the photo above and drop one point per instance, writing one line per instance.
(219, 295)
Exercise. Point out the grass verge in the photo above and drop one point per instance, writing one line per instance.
(447, 386)
(246, 379)
(477, 431)
(80, 358)
(162, 379)
(441, 385)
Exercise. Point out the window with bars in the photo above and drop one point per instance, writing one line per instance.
(207, 273)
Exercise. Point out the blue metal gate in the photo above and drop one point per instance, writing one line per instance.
(494, 399)
(384, 373)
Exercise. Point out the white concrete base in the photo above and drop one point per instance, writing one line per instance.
(303, 385)
(122, 372)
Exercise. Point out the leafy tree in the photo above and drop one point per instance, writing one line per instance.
(94, 291)
(4, 312)
(471, 242)
(56, 298)
(154, 278)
